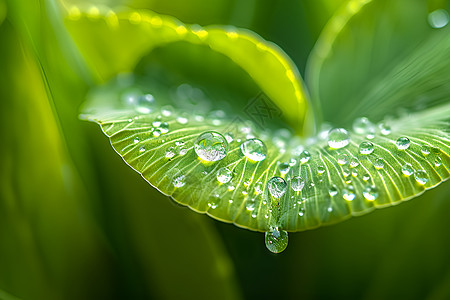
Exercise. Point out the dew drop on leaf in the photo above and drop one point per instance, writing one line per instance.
(283, 168)
(338, 138)
(224, 175)
(170, 152)
(164, 127)
(370, 193)
(211, 146)
(385, 129)
(276, 240)
(366, 148)
(297, 183)
(438, 162)
(348, 193)
(304, 157)
(403, 143)
(421, 177)
(254, 149)
(320, 169)
(407, 169)
(425, 149)
(342, 159)
(179, 181)
(363, 126)
(333, 190)
(378, 163)
(354, 162)
(277, 187)
(438, 18)
(145, 104)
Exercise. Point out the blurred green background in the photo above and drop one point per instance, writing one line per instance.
(78, 223)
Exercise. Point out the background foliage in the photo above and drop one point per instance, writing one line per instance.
(77, 223)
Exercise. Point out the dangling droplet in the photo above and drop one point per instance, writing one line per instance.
(276, 240)
(421, 177)
(366, 148)
(254, 149)
(224, 175)
(370, 193)
(378, 163)
(211, 146)
(338, 138)
(342, 159)
(297, 183)
(304, 157)
(277, 187)
(403, 143)
(438, 18)
(407, 169)
(348, 193)
(283, 168)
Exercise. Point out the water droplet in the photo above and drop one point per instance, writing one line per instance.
(320, 169)
(403, 143)
(438, 161)
(164, 127)
(231, 188)
(333, 190)
(183, 119)
(355, 173)
(259, 188)
(421, 177)
(292, 162)
(304, 157)
(348, 193)
(370, 193)
(346, 172)
(283, 168)
(254, 149)
(378, 163)
(276, 240)
(366, 177)
(385, 129)
(179, 181)
(156, 123)
(250, 206)
(301, 212)
(438, 18)
(213, 203)
(170, 152)
(363, 126)
(342, 159)
(142, 149)
(407, 169)
(211, 146)
(366, 148)
(338, 138)
(167, 110)
(354, 162)
(145, 103)
(156, 132)
(136, 140)
(426, 149)
(277, 187)
(230, 137)
(297, 183)
(224, 175)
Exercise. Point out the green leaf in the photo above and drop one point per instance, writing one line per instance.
(375, 57)
(114, 42)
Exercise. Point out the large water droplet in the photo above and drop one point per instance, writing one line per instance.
(366, 148)
(338, 138)
(224, 175)
(277, 187)
(284, 168)
(407, 169)
(276, 240)
(426, 149)
(370, 193)
(421, 177)
(348, 193)
(364, 127)
(438, 18)
(297, 183)
(254, 149)
(403, 143)
(304, 157)
(211, 146)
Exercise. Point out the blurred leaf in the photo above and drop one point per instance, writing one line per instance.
(397, 61)
(114, 42)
